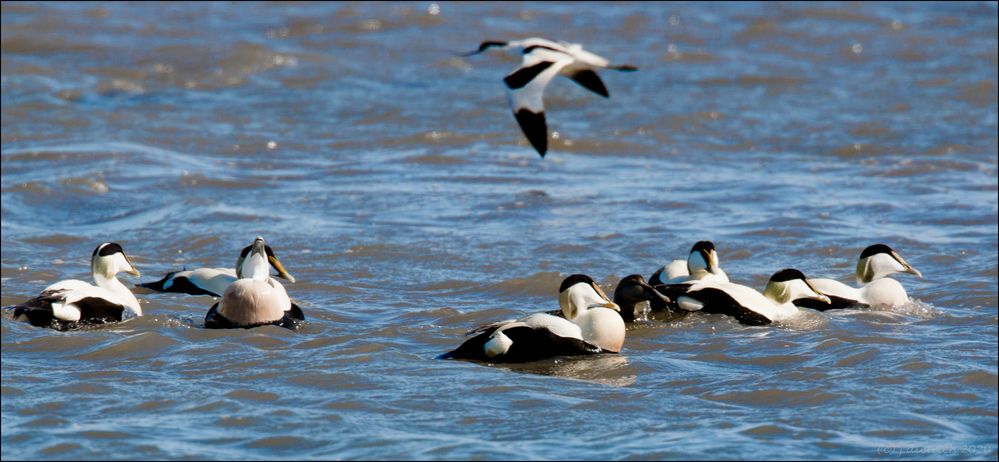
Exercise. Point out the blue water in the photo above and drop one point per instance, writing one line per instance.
(393, 182)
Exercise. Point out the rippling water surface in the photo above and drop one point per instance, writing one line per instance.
(391, 179)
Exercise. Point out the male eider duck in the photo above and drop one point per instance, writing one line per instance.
(65, 304)
(254, 299)
(743, 303)
(702, 263)
(210, 281)
(542, 61)
(876, 263)
(591, 325)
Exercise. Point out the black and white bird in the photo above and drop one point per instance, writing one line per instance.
(876, 263)
(72, 302)
(542, 61)
(744, 303)
(210, 281)
(254, 298)
(590, 324)
(702, 263)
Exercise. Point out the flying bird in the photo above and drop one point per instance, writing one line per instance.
(542, 61)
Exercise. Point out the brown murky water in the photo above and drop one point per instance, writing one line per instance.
(392, 180)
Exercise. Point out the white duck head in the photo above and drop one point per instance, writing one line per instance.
(254, 262)
(108, 260)
(579, 293)
(598, 318)
(704, 258)
(878, 261)
(790, 284)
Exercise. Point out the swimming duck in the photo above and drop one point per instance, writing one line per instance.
(542, 61)
(876, 263)
(702, 263)
(65, 304)
(633, 290)
(591, 324)
(744, 303)
(209, 281)
(254, 299)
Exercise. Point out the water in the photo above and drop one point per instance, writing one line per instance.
(394, 184)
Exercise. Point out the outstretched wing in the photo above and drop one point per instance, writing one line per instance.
(590, 81)
(525, 89)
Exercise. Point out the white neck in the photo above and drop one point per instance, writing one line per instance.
(785, 292)
(125, 296)
(695, 262)
(256, 267)
(876, 267)
(575, 300)
(777, 292)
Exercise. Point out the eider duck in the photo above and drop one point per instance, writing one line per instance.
(702, 263)
(744, 303)
(542, 61)
(254, 299)
(632, 291)
(72, 302)
(591, 324)
(876, 263)
(209, 281)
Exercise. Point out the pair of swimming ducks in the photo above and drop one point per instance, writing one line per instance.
(588, 322)
(250, 297)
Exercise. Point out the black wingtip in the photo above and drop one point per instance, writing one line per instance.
(590, 81)
(535, 129)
